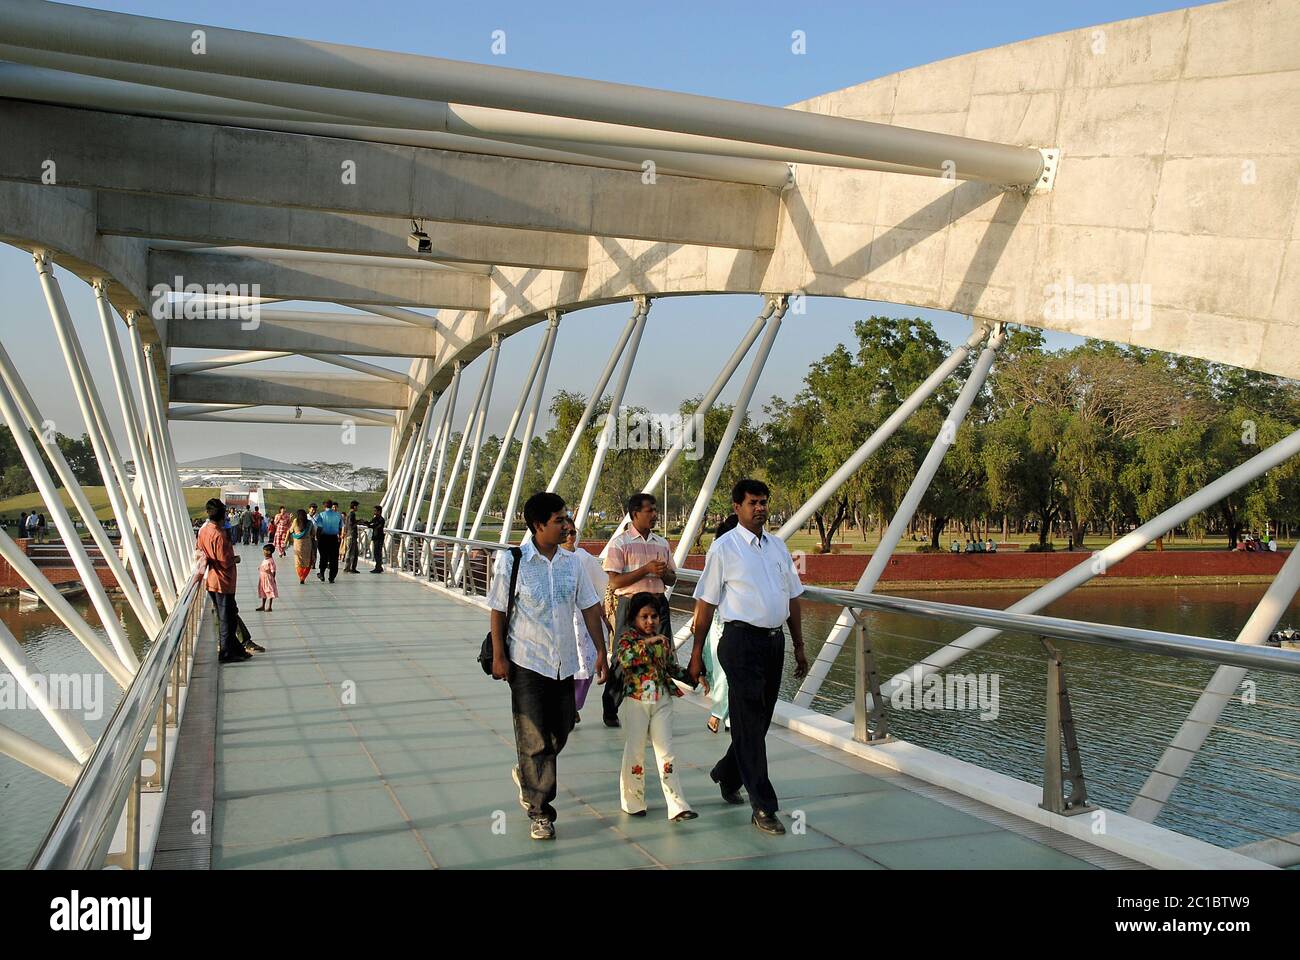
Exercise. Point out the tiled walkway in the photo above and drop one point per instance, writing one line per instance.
(367, 736)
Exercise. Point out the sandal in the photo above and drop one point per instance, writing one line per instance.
(713, 724)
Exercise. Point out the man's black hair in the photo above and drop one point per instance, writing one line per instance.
(749, 486)
(540, 507)
(636, 502)
(216, 510)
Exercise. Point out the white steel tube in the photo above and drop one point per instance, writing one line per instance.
(228, 360)
(594, 399)
(477, 449)
(63, 523)
(38, 757)
(738, 414)
(153, 421)
(902, 518)
(1225, 684)
(464, 439)
(530, 425)
(880, 435)
(444, 441)
(141, 603)
(169, 473)
(422, 453)
(611, 418)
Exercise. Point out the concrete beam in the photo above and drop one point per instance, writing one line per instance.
(284, 228)
(414, 286)
(285, 389)
(208, 161)
(365, 338)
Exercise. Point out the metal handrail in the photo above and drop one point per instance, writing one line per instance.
(1181, 645)
(79, 837)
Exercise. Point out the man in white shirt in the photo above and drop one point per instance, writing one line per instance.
(750, 578)
(537, 651)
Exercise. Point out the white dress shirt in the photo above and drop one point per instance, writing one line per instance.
(586, 646)
(749, 578)
(540, 635)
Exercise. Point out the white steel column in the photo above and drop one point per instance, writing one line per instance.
(902, 518)
(444, 441)
(1103, 560)
(704, 406)
(170, 478)
(464, 438)
(63, 523)
(125, 508)
(611, 418)
(38, 756)
(490, 379)
(139, 595)
(422, 487)
(422, 453)
(149, 482)
(738, 414)
(594, 399)
(880, 435)
(393, 495)
(1225, 684)
(543, 353)
(530, 425)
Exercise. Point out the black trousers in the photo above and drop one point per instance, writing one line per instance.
(328, 544)
(612, 698)
(753, 659)
(543, 712)
(227, 613)
(378, 545)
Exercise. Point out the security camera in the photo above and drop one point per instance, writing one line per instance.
(419, 241)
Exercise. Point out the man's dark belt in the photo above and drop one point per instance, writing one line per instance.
(771, 631)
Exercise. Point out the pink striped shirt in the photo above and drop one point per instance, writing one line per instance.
(629, 550)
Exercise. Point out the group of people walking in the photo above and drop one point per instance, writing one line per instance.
(746, 595)
(316, 537)
(33, 526)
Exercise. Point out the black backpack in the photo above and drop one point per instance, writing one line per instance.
(485, 652)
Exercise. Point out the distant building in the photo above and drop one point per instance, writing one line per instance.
(246, 471)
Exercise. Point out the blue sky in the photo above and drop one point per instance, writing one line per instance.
(739, 51)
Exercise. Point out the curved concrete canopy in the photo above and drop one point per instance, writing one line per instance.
(1173, 222)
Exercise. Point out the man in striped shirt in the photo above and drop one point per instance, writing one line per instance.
(638, 561)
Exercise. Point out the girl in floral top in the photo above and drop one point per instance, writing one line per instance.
(649, 667)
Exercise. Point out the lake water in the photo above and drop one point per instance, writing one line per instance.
(1244, 783)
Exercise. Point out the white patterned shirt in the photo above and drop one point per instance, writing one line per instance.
(540, 636)
(749, 579)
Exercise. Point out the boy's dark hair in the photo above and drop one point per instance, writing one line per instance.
(268, 548)
(215, 510)
(636, 502)
(353, 504)
(749, 486)
(540, 507)
(640, 601)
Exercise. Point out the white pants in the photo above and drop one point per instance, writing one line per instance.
(652, 719)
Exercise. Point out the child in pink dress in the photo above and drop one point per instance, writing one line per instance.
(266, 589)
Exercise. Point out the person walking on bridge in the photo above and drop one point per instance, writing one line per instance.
(751, 580)
(283, 521)
(303, 537)
(536, 653)
(348, 547)
(376, 525)
(329, 525)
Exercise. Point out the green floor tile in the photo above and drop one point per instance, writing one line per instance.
(986, 851)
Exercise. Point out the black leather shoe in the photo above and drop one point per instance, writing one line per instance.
(612, 722)
(731, 796)
(767, 822)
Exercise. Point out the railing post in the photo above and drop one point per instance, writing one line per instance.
(870, 725)
(129, 859)
(1059, 722)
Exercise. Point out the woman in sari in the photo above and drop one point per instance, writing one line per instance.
(303, 537)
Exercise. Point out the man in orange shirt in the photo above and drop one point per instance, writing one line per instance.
(220, 579)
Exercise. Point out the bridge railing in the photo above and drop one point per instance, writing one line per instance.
(431, 557)
(130, 757)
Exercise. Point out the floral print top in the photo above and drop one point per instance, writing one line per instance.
(649, 664)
